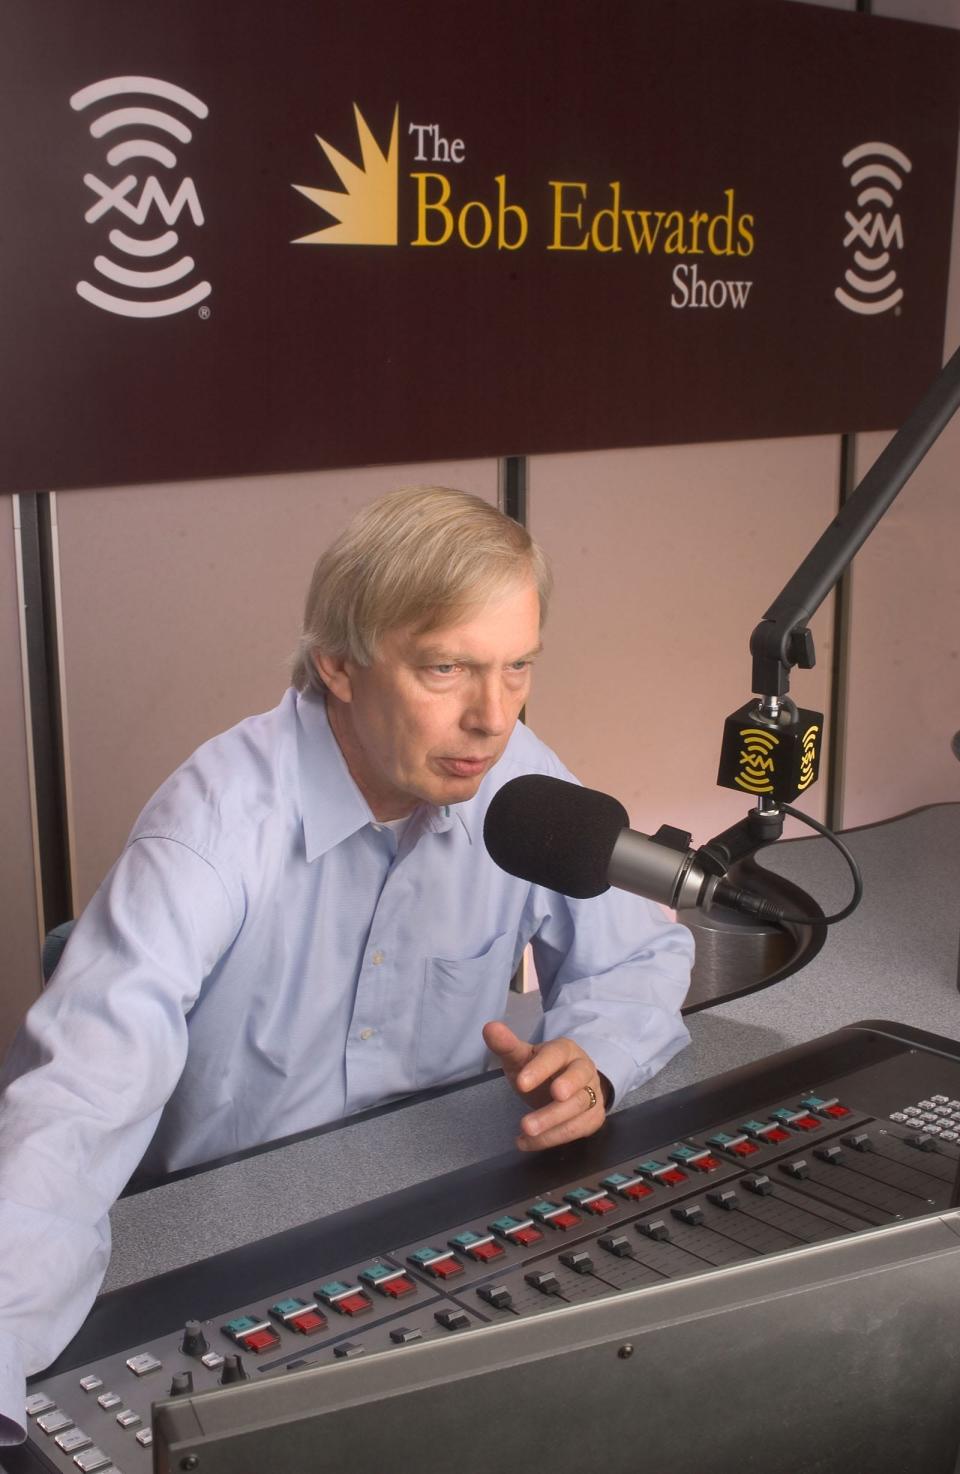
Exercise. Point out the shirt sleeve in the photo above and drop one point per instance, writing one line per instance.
(613, 973)
(83, 1087)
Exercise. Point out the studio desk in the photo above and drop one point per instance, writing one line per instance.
(756, 1264)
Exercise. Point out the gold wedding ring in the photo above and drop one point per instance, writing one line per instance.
(593, 1096)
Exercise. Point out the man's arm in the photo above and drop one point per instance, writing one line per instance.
(613, 973)
(86, 1079)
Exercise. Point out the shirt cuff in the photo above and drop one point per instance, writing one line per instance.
(615, 1064)
(620, 1066)
(13, 1391)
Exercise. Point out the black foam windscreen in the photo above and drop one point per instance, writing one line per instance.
(554, 834)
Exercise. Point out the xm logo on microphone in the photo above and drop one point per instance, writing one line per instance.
(757, 760)
(808, 758)
(874, 228)
(140, 136)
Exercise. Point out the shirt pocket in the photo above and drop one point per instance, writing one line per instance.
(459, 996)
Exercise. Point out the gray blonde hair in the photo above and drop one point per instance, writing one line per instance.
(418, 556)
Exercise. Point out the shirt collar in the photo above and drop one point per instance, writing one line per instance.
(468, 814)
(333, 806)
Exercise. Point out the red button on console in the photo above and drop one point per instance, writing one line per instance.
(354, 1304)
(525, 1236)
(490, 1249)
(397, 1286)
(259, 1341)
(600, 1205)
(307, 1323)
(444, 1269)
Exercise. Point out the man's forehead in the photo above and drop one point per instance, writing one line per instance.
(510, 622)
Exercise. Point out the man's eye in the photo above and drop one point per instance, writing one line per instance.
(520, 665)
(443, 670)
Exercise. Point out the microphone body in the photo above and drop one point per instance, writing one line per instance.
(577, 841)
(655, 869)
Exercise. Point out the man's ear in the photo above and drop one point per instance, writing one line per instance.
(335, 675)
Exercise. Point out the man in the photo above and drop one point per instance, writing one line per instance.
(305, 920)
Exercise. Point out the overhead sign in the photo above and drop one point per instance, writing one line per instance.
(316, 234)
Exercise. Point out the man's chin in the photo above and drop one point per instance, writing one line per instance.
(460, 791)
(451, 789)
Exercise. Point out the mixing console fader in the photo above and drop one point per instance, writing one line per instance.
(863, 1134)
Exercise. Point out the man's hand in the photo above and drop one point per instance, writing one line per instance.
(558, 1078)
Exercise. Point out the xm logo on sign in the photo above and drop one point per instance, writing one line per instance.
(874, 228)
(141, 208)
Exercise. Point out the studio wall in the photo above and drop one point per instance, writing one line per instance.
(659, 585)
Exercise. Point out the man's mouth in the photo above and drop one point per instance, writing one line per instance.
(464, 767)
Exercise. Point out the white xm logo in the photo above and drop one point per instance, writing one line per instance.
(881, 169)
(121, 197)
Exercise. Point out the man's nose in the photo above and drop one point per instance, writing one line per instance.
(488, 710)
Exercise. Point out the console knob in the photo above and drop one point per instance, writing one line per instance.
(182, 1384)
(194, 1342)
(233, 1369)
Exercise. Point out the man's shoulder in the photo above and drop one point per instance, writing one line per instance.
(231, 782)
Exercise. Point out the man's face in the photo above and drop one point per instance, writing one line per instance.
(432, 714)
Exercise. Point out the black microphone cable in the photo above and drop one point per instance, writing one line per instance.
(752, 905)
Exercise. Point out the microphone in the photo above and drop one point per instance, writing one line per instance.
(577, 841)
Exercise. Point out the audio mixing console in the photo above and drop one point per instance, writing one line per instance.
(847, 1135)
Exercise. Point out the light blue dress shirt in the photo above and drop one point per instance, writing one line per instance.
(265, 957)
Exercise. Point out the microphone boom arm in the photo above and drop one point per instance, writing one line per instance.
(770, 749)
(781, 640)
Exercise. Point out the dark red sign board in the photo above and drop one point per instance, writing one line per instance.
(259, 238)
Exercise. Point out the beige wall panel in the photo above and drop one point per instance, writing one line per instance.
(904, 686)
(181, 605)
(19, 927)
(665, 560)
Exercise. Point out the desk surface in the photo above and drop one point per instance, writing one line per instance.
(895, 958)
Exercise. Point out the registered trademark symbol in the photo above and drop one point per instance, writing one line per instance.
(203, 313)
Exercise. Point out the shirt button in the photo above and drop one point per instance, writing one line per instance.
(367, 1033)
(377, 958)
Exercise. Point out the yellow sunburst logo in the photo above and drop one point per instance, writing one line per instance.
(366, 211)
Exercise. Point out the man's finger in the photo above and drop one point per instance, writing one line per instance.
(583, 1123)
(512, 1051)
(580, 1073)
(578, 1103)
(550, 1059)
